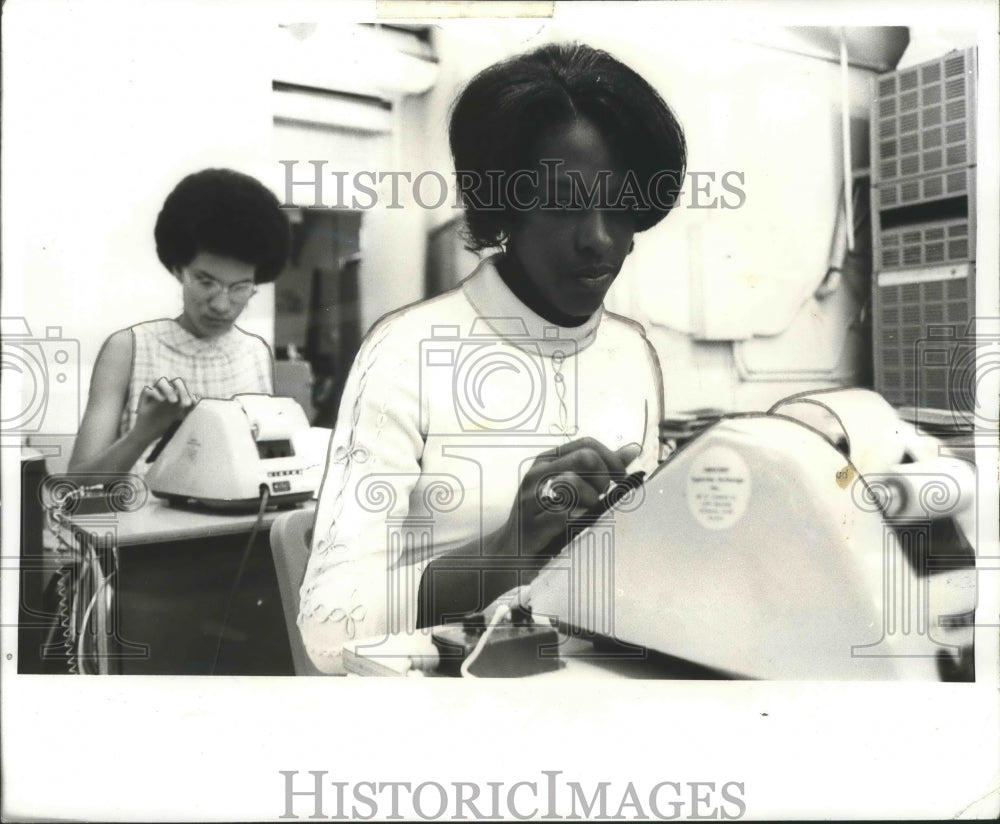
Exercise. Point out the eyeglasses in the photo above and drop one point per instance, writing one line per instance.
(208, 287)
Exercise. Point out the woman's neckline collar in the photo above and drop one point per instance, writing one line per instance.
(191, 336)
(510, 319)
(184, 338)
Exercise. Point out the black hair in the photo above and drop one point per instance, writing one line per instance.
(227, 213)
(504, 110)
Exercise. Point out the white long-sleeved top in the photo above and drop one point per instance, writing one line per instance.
(447, 405)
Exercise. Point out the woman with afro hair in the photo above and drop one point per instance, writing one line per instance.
(219, 233)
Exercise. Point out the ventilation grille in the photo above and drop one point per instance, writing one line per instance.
(923, 151)
(921, 348)
(923, 119)
(924, 189)
(925, 244)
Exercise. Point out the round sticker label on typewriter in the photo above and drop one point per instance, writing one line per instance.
(718, 487)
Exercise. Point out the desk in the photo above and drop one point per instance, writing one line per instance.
(580, 658)
(174, 569)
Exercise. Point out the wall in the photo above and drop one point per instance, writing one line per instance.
(367, 127)
(393, 234)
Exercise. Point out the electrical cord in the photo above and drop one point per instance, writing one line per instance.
(499, 614)
(102, 585)
(91, 578)
(89, 584)
(239, 574)
(63, 621)
(67, 592)
(82, 634)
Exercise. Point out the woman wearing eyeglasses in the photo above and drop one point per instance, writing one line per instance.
(220, 233)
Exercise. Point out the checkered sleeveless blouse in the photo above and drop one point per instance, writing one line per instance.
(233, 363)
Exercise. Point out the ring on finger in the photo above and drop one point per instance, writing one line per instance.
(548, 493)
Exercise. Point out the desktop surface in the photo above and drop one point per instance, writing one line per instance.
(578, 656)
(158, 521)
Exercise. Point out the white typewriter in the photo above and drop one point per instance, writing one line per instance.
(798, 544)
(226, 454)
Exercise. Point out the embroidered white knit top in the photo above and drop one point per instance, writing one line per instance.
(233, 363)
(447, 404)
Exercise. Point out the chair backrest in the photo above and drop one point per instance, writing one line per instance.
(291, 535)
(294, 379)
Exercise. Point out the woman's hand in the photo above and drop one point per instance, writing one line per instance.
(161, 405)
(562, 484)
